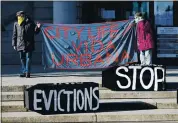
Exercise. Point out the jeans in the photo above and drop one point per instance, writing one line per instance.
(25, 58)
(146, 57)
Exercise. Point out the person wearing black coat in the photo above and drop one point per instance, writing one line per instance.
(23, 40)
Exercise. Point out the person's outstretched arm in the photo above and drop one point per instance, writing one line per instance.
(37, 28)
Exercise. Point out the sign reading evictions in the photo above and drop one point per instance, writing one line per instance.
(62, 98)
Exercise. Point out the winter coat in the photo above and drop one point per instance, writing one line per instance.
(144, 35)
(23, 35)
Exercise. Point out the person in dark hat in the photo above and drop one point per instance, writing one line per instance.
(23, 40)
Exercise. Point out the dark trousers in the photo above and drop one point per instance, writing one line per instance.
(25, 58)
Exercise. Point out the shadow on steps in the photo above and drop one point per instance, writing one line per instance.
(125, 106)
(109, 107)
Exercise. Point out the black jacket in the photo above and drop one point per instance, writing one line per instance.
(23, 35)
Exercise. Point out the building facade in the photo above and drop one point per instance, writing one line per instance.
(160, 14)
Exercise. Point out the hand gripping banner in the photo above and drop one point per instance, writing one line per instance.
(89, 46)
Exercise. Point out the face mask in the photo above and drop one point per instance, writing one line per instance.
(136, 19)
(20, 19)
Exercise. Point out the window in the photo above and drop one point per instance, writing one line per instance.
(163, 12)
(107, 14)
(141, 7)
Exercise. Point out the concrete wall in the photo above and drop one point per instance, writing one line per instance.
(43, 12)
(40, 11)
(65, 12)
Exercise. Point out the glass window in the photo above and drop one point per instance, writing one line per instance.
(163, 12)
(141, 7)
(145, 9)
(107, 14)
(135, 7)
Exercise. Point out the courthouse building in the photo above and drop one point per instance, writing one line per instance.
(162, 16)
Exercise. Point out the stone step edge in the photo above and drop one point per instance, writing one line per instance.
(12, 96)
(22, 88)
(173, 100)
(14, 106)
(105, 91)
(138, 115)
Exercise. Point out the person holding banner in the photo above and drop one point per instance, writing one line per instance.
(23, 40)
(144, 39)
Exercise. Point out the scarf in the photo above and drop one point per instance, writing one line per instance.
(20, 20)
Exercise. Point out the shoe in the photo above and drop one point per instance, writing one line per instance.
(27, 75)
(22, 75)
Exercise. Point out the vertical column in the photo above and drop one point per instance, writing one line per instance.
(65, 12)
(175, 10)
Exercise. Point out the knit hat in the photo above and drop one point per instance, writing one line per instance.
(138, 14)
(19, 13)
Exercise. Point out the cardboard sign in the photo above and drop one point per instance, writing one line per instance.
(134, 78)
(62, 98)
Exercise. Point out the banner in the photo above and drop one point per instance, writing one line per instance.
(89, 46)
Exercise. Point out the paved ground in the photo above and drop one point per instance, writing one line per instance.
(39, 75)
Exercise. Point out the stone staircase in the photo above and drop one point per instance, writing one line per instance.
(130, 106)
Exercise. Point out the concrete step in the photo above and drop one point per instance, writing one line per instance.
(107, 94)
(14, 80)
(21, 88)
(13, 106)
(10, 96)
(134, 115)
(116, 104)
(12, 88)
(139, 115)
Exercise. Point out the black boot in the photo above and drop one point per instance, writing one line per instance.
(27, 75)
(22, 75)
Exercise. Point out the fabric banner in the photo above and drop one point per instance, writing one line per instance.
(89, 46)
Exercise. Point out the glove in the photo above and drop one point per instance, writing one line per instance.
(38, 24)
(15, 48)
